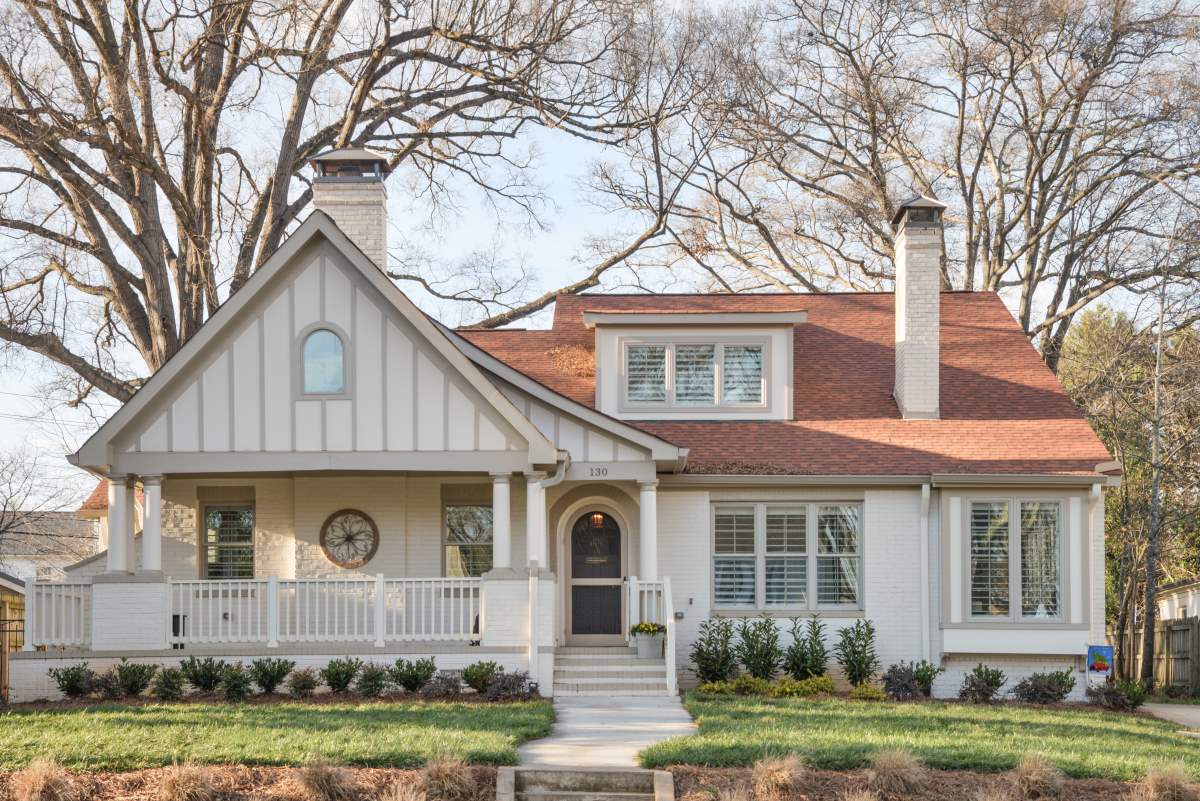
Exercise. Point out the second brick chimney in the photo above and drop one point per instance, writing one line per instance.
(349, 187)
(918, 226)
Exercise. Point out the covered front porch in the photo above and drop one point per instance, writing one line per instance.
(560, 563)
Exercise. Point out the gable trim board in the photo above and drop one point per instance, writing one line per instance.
(100, 453)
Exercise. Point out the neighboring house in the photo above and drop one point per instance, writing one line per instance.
(1179, 599)
(327, 471)
(40, 545)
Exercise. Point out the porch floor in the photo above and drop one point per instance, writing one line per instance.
(606, 732)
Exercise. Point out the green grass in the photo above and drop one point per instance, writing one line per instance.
(840, 734)
(124, 737)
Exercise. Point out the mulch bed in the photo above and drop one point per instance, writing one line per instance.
(320, 699)
(241, 783)
(703, 784)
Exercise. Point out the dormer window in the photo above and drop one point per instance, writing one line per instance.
(324, 359)
(694, 375)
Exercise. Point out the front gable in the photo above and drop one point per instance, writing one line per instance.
(410, 400)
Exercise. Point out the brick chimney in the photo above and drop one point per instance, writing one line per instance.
(349, 187)
(918, 227)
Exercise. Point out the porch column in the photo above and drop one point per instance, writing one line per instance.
(535, 519)
(120, 525)
(501, 523)
(648, 525)
(152, 524)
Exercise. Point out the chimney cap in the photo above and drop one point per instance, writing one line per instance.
(350, 162)
(918, 202)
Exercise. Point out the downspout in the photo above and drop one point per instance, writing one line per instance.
(924, 549)
(560, 472)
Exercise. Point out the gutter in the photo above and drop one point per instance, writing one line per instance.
(560, 472)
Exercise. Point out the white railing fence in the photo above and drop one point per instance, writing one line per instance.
(58, 614)
(650, 602)
(376, 610)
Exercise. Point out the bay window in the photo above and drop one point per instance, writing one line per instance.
(1015, 555)
(787, 556)
(694, 374)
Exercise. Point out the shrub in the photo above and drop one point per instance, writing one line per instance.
(758, 647)
(895, 770)
(807, 656)
(188, 782)
(735, 792)
(855, 652)
(867, 692)
(42, 780)
(1120, 696)
(133, 677)
(806, 688)
(510, 687)
(859, 795)
(1036, 777)
(339, 673)
(447, 779)
(203, 674)
(74, 681)
(981, 684)
(480, 675)
(372, 681)
(1045, 688)
(712, 652)
(926, 673)
(303, 683)
(715, 688)
(413, 675)
(268, 674)
(236, 684)
(750, 685)
(444, 685)
(106, 686)
(900, 682)
(320, 781)
(1165, 783)
(774, 777)
(168, 684)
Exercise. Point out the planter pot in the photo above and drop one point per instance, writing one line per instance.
(649, 646)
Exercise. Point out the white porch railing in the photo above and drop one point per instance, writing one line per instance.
(58, 614)
(650, 602)
(376, 610)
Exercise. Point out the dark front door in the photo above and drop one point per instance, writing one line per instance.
(596, 587)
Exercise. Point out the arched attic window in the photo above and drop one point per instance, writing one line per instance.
(324, 358)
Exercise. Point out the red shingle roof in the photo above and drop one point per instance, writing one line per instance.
(97, 500)
(1002, 410)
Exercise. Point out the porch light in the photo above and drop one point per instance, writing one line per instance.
(597, 519)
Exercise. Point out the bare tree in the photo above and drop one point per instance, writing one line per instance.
(151, 154)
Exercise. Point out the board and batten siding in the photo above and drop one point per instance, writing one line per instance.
(401, 394)
(584, 442)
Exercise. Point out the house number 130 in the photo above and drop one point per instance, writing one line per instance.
(597, 471)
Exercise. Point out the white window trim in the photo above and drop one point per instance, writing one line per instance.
(446, 504)
(1015, 615)
(760, 557)
(718, 343)
(203, 536)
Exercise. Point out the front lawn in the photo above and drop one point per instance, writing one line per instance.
(397, 734)
(839, 734)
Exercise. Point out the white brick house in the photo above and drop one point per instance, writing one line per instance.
(324, 470)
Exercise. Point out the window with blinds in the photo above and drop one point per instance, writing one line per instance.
(468, 546)
(742, 374)
(734, 565)
(229, 542)
(1039, 559)
(793, 556)
(1015, 559)
(695, 375)
(989, 559)
(646, 373)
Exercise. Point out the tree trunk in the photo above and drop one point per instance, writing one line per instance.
(1150, 610)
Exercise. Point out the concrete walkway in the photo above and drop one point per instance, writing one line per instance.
(605, 732)
(1186, 715)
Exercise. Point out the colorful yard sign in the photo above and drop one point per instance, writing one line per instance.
(1099, 664)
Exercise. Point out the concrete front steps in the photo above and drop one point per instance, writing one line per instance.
(589, 784)
(613, 671)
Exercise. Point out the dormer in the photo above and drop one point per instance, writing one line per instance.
(694, 365)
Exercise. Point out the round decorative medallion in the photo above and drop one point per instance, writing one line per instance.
(349, 538)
